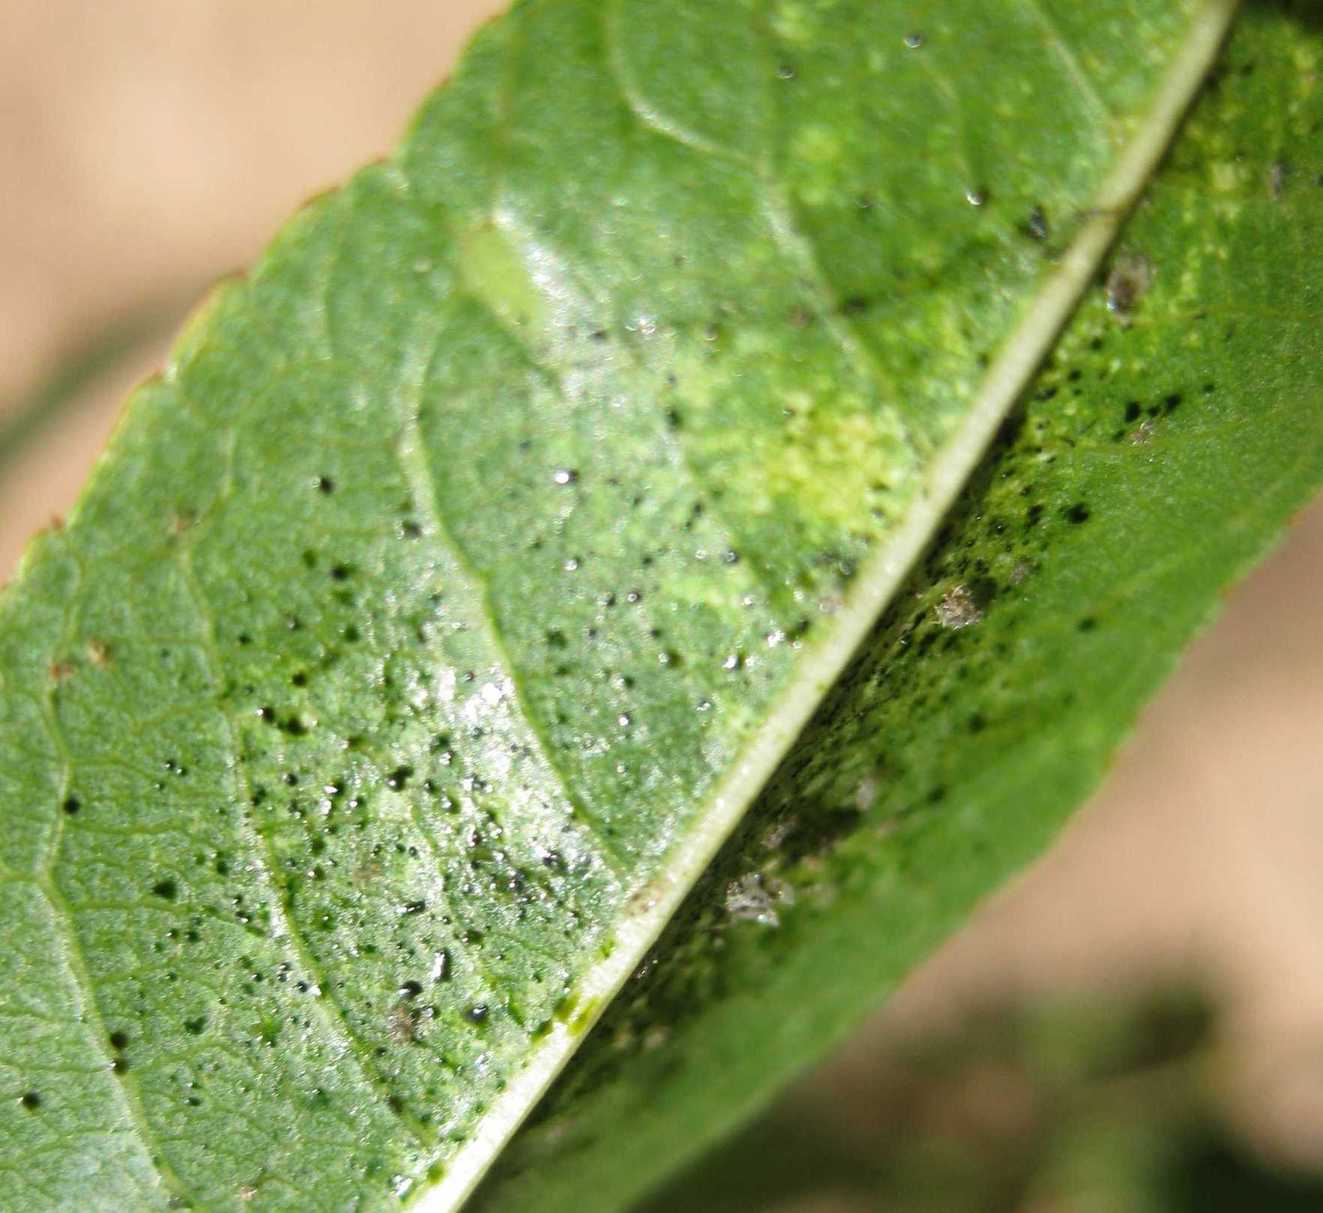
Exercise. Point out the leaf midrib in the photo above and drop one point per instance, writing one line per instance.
(647, 913)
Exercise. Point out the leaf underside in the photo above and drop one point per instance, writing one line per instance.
(428, 604)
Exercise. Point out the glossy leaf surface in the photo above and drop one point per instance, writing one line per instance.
(432, 620)
(1173, 432)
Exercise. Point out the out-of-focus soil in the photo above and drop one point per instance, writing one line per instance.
(152, 146)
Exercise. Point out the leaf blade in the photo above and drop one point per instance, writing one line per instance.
(1163, 449)
(884, 570)
(397, 310)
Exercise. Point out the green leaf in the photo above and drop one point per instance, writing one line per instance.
(434, 619)
(1156, 456)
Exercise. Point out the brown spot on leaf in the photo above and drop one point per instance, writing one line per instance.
(958, 608)
(1276, 179)
(1129, 279)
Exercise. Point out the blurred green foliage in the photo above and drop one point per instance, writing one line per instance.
(1055, 1108)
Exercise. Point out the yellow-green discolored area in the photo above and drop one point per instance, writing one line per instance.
(418, 612)
(499, 274)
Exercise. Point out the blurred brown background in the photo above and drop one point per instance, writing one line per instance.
(151, 146)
